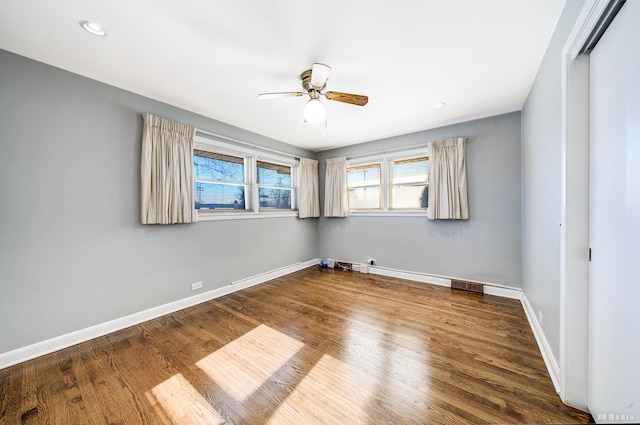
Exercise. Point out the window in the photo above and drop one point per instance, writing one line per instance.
(410, 183)
(364, 182)
(233, 181)
(389, 184)
(274, 186)
(220, 181)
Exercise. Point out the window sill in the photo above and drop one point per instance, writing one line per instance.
(391, 213)
(244, 215)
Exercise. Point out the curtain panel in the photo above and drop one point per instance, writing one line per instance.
(336, 192)
(166, 172)
(309, 200)
(448, 180)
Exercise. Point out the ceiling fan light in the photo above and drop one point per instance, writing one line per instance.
(314, 112)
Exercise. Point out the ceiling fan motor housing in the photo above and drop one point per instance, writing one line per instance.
(306, 82)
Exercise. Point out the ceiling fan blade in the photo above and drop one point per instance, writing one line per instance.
(264, 96)
(319, 75)
(354, 99)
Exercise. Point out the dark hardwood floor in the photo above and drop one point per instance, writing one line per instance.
(314, 347)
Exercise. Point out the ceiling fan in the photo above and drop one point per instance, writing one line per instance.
(314, 81)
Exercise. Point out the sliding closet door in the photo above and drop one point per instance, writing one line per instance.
(614, 292)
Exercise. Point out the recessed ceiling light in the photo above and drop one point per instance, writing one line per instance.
(439, 105)
(93, 28)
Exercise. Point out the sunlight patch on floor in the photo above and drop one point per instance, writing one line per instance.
(331, 392)
(241, 367)
(182, 403)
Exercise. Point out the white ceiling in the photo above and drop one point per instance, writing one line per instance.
(213, 57)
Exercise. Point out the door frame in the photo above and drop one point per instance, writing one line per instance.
(574, 231)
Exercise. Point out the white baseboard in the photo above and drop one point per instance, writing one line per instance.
(503, 291)
(403, 274)
(264, 277)
(545, 349)
(63, 341)
(489, 288)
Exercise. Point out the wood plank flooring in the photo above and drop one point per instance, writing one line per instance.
(315, 347)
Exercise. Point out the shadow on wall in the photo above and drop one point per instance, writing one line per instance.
(447, 229)
(443, 229)
(339, 223)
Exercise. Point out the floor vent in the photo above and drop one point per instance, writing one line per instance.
(467, 286)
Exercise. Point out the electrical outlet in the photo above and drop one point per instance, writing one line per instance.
(371, 261)
(196, 285)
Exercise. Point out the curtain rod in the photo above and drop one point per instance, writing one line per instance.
(242, 142)
(398, 149)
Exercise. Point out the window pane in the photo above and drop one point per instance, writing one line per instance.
(365, 175)
(415, 170)
(275, 198)
(219, 196)
(274, 174)
(212, 166)
(409, 196)
(364, 198)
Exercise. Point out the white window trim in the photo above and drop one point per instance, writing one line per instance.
(381, 185)
(253, 156)
(385, 159)
(389, 213)
(248, 215)
(294, 182)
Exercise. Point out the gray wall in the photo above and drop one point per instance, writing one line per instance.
(486, 247)
(72, 250)
(542, 183)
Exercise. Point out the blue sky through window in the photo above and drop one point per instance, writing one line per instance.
(224, 168)
(274, 175)
(216, 169)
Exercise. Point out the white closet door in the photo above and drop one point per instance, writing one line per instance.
(614, 292)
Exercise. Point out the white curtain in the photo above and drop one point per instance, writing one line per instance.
(448, 180)
(336, 193)
(166, 172)
(309, 204)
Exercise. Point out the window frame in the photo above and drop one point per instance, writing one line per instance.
(291, 188)
(414, 184)
(252, 202)
(365, 186)
(386, 160)
(246, 183)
